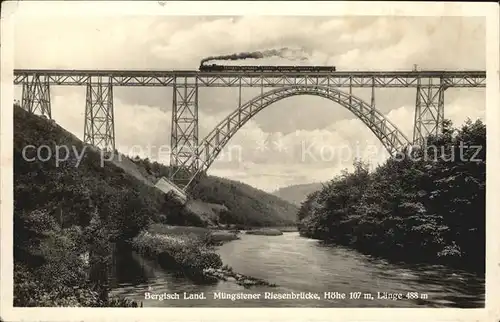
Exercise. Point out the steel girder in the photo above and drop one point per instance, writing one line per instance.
(395, 79)
(335, 80)
(429, 112)
(389, 135)
(184, 139)
(99, 127)
(36, 96)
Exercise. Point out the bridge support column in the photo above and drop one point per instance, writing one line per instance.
(184, 138)
(429, 111)
(372, 102)
(36, 96)
(99, 116)
(350, 90)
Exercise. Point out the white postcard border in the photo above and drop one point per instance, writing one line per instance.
(490, 11)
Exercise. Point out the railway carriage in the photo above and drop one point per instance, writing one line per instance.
(222, 68)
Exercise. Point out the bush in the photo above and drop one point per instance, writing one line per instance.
(183, 252)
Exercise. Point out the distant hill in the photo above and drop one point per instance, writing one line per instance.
(297, 193)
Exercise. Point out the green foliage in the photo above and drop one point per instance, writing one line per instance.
(99, 248)
(66, 215)
(425, 205)
(189, 253)
(29, 291)
(59, 276)
(52, 266)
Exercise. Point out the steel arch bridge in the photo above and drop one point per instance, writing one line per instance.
(188, 153)
(388, 134)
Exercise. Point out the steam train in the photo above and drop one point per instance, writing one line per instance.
(223, 68)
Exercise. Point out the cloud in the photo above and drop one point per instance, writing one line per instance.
(117, 42)
(143, 115)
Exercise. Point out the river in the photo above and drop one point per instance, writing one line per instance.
(297, 264)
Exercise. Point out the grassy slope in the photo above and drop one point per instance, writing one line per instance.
(296, 194)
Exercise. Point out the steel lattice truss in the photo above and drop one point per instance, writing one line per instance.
(184, 139)
(36, 96)
(429, 112)
(256, 79)
(188, 157)
(99, 117)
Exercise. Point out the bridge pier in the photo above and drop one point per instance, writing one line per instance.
(36, 95)
(99, 127)
(429, 111)
(372, 101)
(184, 139)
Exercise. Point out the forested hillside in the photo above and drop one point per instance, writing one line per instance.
(296, 194)
(64, 210)
(246, 205)
(425, 206)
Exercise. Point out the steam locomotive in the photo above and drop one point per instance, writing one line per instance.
(223, 68)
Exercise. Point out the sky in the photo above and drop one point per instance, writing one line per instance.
(294, 141)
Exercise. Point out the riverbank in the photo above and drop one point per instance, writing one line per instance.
(217, 235)
(191, 250)
(209, 236)
(186, 253)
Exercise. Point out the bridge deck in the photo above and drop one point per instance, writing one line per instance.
(192, 73)
(465, 78)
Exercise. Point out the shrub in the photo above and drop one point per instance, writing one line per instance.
(182, 252)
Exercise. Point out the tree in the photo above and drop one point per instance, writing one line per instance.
(430, 209)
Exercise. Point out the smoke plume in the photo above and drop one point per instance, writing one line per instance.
(285, 52)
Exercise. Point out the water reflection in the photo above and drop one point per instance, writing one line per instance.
(304, 265)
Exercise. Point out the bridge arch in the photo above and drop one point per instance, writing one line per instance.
(209, 148)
